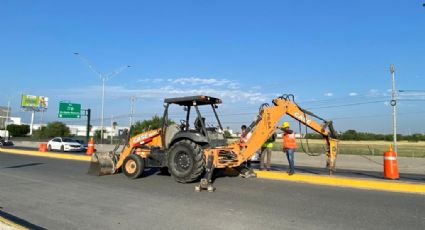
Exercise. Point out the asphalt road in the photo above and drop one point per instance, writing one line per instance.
(57, 194)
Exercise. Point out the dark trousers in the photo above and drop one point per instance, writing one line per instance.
(265, 153)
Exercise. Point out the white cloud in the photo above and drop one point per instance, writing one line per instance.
(199, 81)
(353, 94)
(150, 80)
(329, 94)
(378, 93)
(115, 92)
(192, 81)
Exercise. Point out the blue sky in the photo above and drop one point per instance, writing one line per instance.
(333, 54)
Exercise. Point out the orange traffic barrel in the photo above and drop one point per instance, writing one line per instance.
(390, 164)
(90, 147)
(42, 147)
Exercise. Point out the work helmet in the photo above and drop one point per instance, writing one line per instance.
(285, 125)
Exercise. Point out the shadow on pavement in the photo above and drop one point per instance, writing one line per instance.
(23, 165)
(25, 224)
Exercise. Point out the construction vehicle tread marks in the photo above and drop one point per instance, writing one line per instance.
(133, 166)
(186, 161)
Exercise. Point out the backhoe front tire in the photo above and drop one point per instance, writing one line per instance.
(186, 161)
(133, 166)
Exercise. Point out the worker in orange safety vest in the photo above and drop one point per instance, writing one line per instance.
(289, 146)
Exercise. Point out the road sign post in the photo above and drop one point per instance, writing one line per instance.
(88, 114)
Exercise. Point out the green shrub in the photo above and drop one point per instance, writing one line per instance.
(18, 130)
(53, 129)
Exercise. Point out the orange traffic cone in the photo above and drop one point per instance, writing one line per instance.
(390, 164)
(42, 147)
(90, 147)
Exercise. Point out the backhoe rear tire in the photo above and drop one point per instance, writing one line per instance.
(133, 166)
(186, 161)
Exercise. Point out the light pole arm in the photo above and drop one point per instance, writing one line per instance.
(91, 67)
(116, 72)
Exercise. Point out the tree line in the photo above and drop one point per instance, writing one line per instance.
(53, 129)
(353, 135)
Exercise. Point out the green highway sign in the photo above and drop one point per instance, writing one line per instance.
(69, 110)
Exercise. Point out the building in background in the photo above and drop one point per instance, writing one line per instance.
(4, 114)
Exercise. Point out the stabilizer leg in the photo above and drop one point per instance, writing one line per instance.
(206, 181)
(331, 163)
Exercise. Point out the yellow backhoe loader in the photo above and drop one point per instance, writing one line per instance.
(192, 153)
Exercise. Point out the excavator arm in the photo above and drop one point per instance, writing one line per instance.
(325, 129)
(264, 126)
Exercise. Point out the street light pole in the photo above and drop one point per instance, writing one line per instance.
(133, 98)
(102, 109)
(7, 119)
(103, 78)
(394, 105)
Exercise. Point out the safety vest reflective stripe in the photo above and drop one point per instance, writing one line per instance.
(390, 158)
(289, 141)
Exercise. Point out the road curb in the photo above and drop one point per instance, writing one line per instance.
(11, 222)
(10, 225)
(382, 185)
(47, 154)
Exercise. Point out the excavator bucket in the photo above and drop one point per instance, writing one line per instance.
(102, 164)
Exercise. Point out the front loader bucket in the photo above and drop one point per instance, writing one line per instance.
(102, 164)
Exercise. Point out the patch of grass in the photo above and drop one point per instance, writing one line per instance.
(372, 148)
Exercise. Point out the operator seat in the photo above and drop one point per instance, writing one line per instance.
(198, 124)
(170, 132)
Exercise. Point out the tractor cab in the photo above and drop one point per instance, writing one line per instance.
(204, 129)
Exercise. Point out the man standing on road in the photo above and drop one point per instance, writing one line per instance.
(245, 136)
(289, 146)
(266, 152)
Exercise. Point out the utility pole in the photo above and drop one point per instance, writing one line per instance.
(7, 120)
(112, 128)
(133, 99)
(394, 105)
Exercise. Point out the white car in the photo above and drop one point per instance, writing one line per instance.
(256, 157)
(64, 144)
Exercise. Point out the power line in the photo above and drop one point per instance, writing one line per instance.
(411, 90)
(250, 113)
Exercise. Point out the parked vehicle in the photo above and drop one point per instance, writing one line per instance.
(84, 145)
(256, 157)
(64, 144)
(4, 142)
